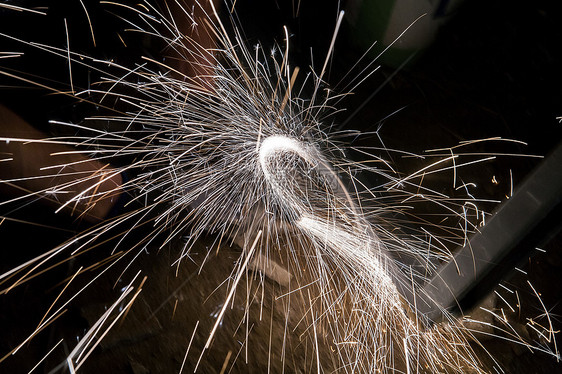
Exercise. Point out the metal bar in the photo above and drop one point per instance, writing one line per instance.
(529, 216)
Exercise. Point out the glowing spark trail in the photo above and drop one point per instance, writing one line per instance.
(234, 154)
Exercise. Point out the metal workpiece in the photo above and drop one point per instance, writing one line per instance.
(527, 219)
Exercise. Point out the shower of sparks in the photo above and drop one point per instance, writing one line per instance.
(245, 159)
